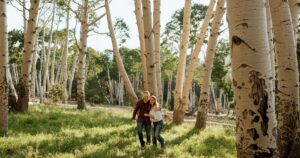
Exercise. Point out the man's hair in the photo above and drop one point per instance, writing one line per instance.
(147, 92)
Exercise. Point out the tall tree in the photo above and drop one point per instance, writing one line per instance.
(140, 25)
(149, 43)
(88, 19)
(194, 59)
(179, 111)
(253, 95)
(3, 70)
(23, 100)
(288, 81)
(156, 31)
(120, 65)
(205, 80)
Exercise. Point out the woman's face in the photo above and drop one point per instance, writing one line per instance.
(152, 100)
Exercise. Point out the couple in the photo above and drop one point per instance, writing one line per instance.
(149, 111)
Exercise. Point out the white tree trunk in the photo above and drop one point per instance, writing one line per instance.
(27, 55)
(179, 111)
(120, 65)
(149, 45)
(288, 80)
(253, 95)
(33, 69)
(140, 25)
(64, 63)
(156, 31)
(82, 56)
(194, 59)
(205, 80)
(294, 8)
(73, 69)
(3, 70)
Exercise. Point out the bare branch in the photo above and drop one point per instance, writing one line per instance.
(95, 9)
(74, 34)
(100, 33)
(70, 9)
(97, 19)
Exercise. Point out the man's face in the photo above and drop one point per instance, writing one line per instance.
(146, 96)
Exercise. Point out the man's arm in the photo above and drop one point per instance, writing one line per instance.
(136, 109)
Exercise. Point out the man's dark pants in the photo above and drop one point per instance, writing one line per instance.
(147, 126)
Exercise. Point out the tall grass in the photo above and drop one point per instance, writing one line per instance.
(104, 132)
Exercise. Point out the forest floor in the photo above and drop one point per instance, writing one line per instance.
(63, 131)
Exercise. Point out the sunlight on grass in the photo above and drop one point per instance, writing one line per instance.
(104, 132)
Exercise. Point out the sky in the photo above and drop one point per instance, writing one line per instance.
(119, 8)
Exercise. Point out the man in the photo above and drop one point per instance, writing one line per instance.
(143, 107)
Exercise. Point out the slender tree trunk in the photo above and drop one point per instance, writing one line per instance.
(27, 55)
(149, 43)
(194, 59)
(33, 69)
(294, 8)
(271, 42)
(253, 95)
(120, 65)
(82, 57)
(73, 69)
(45, 69)
(64, 67)
(12, 94)
(156, 30)
(140, 25)
(179, 111)
(53, 65)
(205, 80)
(3, 71)
(288, 80)
(24, 16)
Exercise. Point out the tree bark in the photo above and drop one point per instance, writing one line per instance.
(73, 69)
(3, 70)
(179, 111)
(33, 69)
(288, 81)
(23, 100)
(194, 59)
(294, 9)
(82, 56)
(149, 43)
(253, 95)
(205, 80)
(64, 63)
(156, 31)
(140, 25)
(120, 65)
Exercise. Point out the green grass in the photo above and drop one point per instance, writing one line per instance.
(104, 132)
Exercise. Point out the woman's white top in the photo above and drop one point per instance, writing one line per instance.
(156, 112)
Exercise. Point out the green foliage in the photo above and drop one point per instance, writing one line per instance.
(57, 93)
(104, 132)
(174, 27)
(220, 69)
(121, 30)
(15, 46)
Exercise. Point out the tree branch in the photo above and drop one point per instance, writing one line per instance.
(97, 19)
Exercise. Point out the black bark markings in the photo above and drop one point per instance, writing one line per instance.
(260, 98)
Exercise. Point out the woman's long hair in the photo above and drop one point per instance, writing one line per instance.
(155, 100)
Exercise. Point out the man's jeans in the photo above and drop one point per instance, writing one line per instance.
(157, 127)
(147, 126)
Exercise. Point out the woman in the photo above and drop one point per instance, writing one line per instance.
(157, 120)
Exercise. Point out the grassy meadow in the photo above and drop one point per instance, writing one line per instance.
(65, 132)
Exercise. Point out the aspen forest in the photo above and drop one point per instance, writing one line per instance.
(149, 78)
